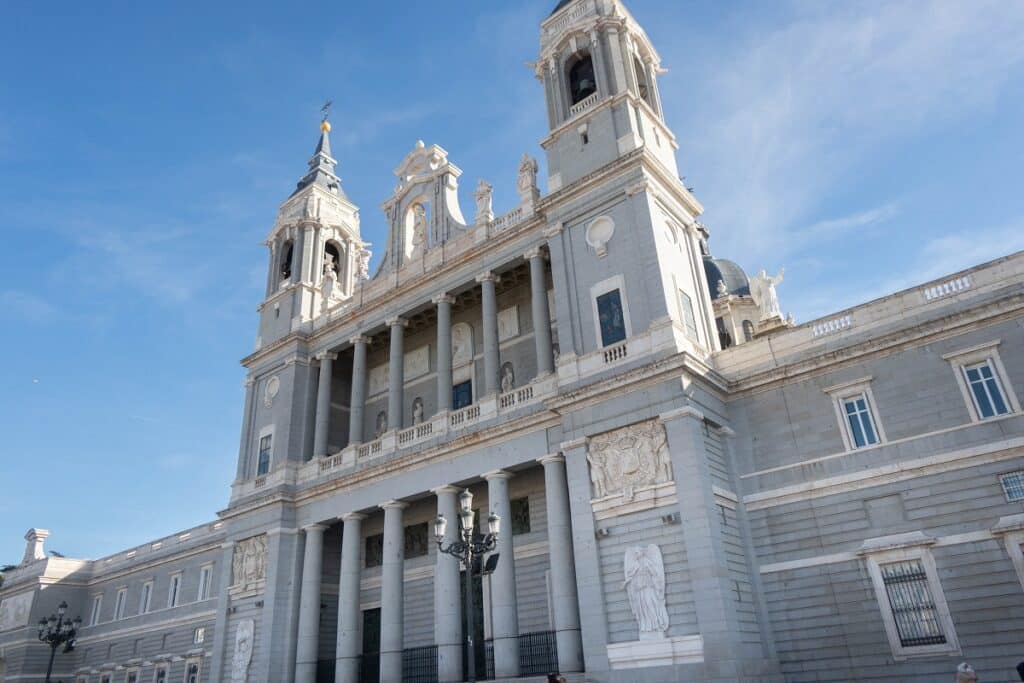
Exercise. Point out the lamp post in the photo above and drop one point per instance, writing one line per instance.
(468, 549)
(57, 631)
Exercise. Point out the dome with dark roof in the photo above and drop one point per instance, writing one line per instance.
(736, 281)
(563, 3)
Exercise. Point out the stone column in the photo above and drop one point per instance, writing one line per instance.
(444, 351)
(350, 645)
(492, 358)
(308, 646)
(246, 438)
(323, 404)
(447, 601)
(541, 312)
(504, 608)
(392, 593)
(396, 372)
(566, 607)
(358, 398)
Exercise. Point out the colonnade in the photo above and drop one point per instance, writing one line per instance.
(396, 359)
(448, 636)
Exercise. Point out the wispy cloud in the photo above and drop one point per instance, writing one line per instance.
(790, 111)
(26, 306)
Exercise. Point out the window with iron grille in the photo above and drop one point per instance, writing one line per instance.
(985, 390)
(912, 604)
(1013, 486)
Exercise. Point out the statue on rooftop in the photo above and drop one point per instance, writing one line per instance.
(762, 288)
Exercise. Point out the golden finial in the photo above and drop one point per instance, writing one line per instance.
(325, 125)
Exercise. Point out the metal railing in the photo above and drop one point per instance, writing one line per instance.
(538, 653)
(419, 664)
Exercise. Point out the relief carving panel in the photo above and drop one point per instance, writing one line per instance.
(629, 458)
(249, 563)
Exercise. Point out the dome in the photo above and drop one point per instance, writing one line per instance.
(732, 275)
(562, 4)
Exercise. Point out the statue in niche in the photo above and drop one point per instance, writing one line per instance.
(243, 651)
(330, 289)
(762, 288)
(311, 209)
(484, 202)
(417, 410)
(382, 424)
(645, 585)
(419, 226)
(508, 377)
(625, 459)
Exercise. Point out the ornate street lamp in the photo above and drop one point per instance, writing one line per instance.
(469, 549)
(57, 631)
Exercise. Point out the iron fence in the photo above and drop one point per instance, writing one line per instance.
(419, 664)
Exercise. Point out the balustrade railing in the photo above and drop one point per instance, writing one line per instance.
(464, 417)
(832, 326)
(583, 104)
(616, 353)
(507, 220)
(960, 284)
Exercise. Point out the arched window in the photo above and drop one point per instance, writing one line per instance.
(287, 252)
(748, 330)
(582, 83)
(331, 249)
(641, 81)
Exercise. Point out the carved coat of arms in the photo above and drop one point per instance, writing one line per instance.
(249, 563)
(625, 459)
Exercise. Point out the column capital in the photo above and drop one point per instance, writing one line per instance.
(444, 298)
(397, 321)
(497, 474)
(352, 517)
(536, 252)
(574, 444)
(551, 459)
(359, 339)
(315, 528)
(488, 276)
(249, 381)
(685, 411)
(326, 355)
(447, 488)
(393, 505)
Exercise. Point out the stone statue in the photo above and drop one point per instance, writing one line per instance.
(417, 410)
(364, 263)
(762, 288)
(965, 674)
(484, 197)
(382, 424)
(645, 584)
(310, 209)
(508, 377)
(722, 289)
(629, 458)
(419, 225)
(527, 184)
(243, 651)
(329, 288)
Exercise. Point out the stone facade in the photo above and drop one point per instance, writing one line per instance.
(684, 496)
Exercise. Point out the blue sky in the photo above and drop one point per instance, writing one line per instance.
(144, 148)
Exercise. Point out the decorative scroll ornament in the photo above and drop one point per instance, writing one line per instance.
(645, 584)
(243, 651)
(627, 458)
(249, 563)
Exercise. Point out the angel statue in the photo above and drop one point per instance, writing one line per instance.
(762, 288)
(645, 585)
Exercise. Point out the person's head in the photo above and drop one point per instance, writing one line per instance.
(1020, 670)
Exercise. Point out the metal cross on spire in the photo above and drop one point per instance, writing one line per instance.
(325, 110)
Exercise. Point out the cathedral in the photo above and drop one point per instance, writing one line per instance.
(666, 478)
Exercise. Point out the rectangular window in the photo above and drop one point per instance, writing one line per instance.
(174, 591)
(859, 421)
(205, 574)
(374, 550)
(192, 672)
(913, 608)
(122, 596)
(611, 318)
(147, 597)
(97, 604)
(1013, 486)
(132, 677)
(160, 674)
(416, 540)
(462, 395)
(263, 461)
(104, 678)
(520, 516)
(985, 390)
(689, 321)
(199, 635)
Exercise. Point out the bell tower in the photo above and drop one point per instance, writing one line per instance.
(600, 73)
